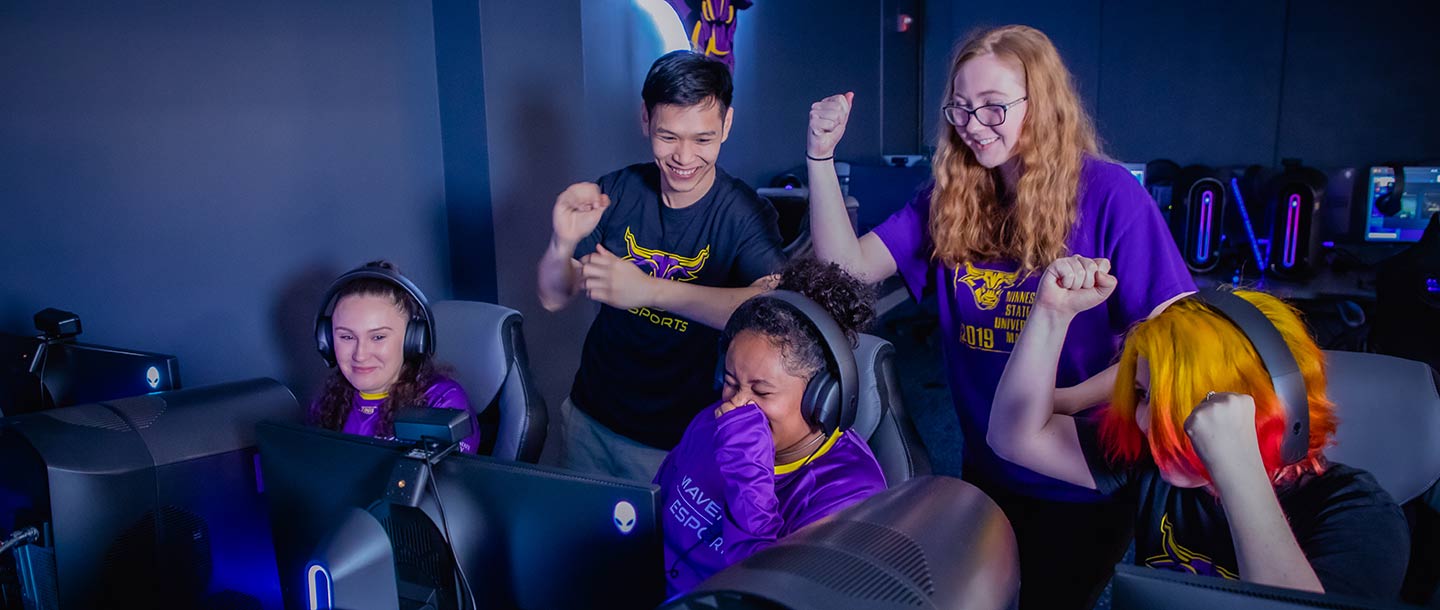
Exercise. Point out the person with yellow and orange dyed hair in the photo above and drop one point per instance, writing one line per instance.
(1194, 431)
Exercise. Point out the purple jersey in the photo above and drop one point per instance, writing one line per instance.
(984, 305)
(723, 498)
(443, 394)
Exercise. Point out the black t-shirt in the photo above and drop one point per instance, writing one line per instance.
(645, 372)
(1353, 533)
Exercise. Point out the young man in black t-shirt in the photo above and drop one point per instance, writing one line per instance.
(669, 248)
(1194, 432)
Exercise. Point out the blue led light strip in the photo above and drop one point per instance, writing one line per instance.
(1249, 229)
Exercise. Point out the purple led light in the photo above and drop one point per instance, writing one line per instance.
(1207, 208)
(1328, 244)
(1432, 284)
(1292, 230)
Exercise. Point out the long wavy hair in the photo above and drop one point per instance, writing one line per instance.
(968, 221)
(1192, 350)
(333, 406)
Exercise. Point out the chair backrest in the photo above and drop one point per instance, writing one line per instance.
(1389, 411)
(486, 347)
(881, 418)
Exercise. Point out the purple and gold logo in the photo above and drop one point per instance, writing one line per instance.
(664, 265)
(1181, 559)
(985, 284)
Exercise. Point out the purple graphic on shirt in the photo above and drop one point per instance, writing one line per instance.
(1181, 559)
(664, 265)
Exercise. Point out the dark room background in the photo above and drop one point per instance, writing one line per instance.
(187, 176)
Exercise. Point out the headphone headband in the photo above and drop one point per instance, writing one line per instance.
(419, 334)
(838, 353)
(1278, 361)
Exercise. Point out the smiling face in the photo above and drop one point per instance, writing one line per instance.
(755, 372)
(990, 79)
(1178, 477)
(369, 334)
(686, 142)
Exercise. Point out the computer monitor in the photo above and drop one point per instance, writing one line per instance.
(1406, 221)
(525, 536)
(144, 502)
(930, 542)
(1137, 170)
(43, 373)
(1142, 588)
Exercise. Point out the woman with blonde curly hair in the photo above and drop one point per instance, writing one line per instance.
(1194, 435)
(1019, 181)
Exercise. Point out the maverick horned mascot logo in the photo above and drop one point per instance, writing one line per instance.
(986, 284)
(664, 265)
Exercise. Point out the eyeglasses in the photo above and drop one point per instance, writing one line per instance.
(989, 115)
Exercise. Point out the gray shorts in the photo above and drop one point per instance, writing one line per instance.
(588, 446)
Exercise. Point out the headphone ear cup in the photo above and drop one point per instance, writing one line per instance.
(323, 342)
(417, 340)
(822, 402)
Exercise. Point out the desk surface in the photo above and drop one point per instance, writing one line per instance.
(1357, 285)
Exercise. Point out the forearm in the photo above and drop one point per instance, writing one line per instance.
(558, 276)
(835, 239)
(1024, 428)
(1025, 396)
(745, 457)
(1086, 394)
(707, 305)
(1265, 548)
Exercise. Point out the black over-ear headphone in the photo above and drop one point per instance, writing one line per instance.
(829, 403)
(419, 332)
(1388, 203)
(1275, 355)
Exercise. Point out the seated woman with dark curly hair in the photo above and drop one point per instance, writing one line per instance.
(753, 468)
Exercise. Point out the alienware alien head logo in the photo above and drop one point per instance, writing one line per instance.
(152, 377)
(624, 516)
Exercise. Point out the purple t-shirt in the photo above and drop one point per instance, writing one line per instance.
(722, 498)
(983, 307)
(443, 394)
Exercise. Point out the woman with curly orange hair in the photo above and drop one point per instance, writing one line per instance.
(1195, 433)
(1019, 181)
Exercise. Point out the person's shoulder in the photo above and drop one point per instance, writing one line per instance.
(638, 174)
(852, 461)
(443, 389)
(732, 191)
(1110, 189)
(1344, 487)
(1095, 170)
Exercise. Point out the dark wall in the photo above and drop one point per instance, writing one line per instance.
(460, 72)
(535, 107)
(1334, 83)
(188, 176)
(789, 55)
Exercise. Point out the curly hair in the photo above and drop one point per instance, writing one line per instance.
(848, 300)
(333, 406)
(968, 221)
(1216, 357)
